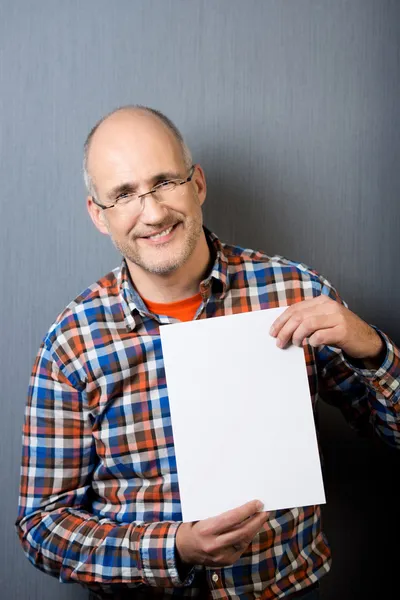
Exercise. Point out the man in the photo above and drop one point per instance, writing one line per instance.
(99, 501)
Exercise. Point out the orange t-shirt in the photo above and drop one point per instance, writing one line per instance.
(184, 310)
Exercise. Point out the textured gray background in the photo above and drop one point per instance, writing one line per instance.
(292, 107)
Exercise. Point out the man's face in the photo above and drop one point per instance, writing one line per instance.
(137, 151)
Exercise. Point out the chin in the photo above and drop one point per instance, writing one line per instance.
(161, 269)
(161, 260)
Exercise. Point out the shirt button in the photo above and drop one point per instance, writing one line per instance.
(215, 577)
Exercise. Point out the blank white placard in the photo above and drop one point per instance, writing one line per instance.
(241, 414)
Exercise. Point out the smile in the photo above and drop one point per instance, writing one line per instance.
(162, 236)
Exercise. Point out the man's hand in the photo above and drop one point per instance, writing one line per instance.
(326, 322)
(220, 541)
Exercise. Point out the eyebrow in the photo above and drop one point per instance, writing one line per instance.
(131, 187)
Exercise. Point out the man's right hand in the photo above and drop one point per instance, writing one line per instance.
(220, 541)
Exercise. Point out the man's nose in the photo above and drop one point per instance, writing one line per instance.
(152, 210)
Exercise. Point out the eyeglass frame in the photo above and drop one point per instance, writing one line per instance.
(152, 191)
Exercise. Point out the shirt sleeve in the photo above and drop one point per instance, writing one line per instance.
(369, 399)
(58, 533)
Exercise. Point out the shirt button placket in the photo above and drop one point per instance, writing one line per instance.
(205, 291)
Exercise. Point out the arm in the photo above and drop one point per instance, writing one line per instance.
(368, 395)
(358, 368)
(56, 528)
(62, 537)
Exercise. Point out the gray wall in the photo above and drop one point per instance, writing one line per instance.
(292, 109)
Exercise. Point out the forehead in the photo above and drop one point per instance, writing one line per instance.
(132, 147)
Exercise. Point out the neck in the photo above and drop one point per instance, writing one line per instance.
(177, 285)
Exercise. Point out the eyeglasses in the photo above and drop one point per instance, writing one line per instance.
(160, 192)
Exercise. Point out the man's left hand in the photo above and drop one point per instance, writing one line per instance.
(326, 322)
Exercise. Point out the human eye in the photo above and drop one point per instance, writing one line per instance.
(166, 184)
(125, 197)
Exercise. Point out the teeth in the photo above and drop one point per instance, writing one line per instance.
(161, 234)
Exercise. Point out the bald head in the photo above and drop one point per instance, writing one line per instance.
(119, 127)
(132, 157)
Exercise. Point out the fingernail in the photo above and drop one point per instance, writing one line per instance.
(272, 330)
(259, 505)
(279, 343)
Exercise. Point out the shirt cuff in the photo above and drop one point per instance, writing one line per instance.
(386, 379)
(157, 554)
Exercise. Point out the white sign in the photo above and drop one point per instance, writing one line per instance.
(241, 416)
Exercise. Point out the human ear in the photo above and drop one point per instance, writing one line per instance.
(97, 215)
(200, 184)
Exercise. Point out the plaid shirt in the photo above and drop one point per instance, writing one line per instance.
(99, 497)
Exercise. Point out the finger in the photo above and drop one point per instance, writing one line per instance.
(239, 525)
(315, 316)
(327, 337)
(280, 322)
(304, 305)
(242, 536)
(231, 518)
(312, 324)
(284, 337)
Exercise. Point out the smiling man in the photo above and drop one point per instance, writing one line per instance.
(147, 196)
(99, 498)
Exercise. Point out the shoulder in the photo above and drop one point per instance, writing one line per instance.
(97, 304)
(275, 270)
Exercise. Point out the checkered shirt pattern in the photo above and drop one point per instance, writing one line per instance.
(99, 496)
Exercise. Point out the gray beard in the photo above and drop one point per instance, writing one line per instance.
(173, 263)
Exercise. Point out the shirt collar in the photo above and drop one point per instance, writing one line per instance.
(218, 278)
